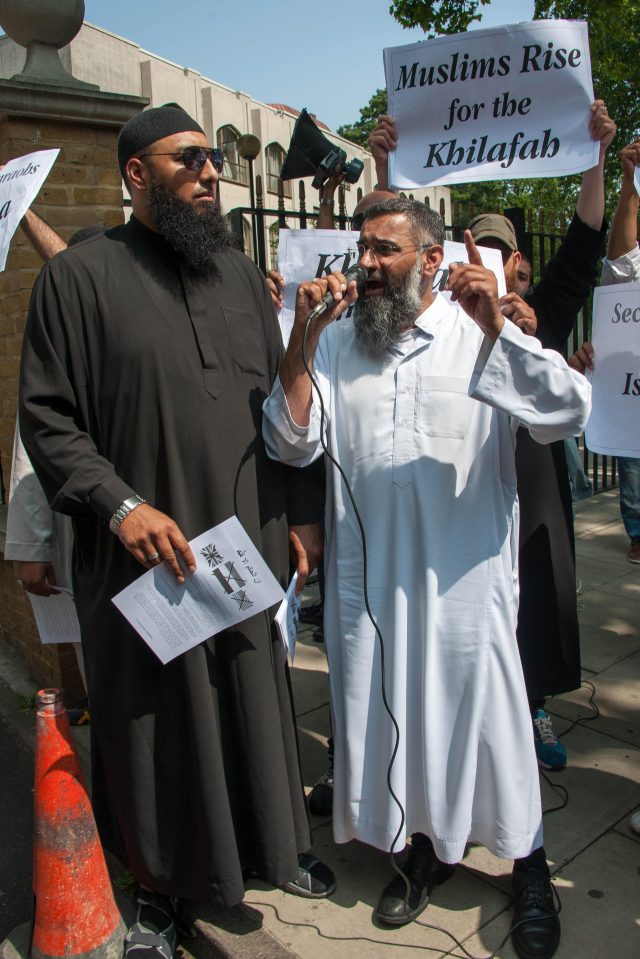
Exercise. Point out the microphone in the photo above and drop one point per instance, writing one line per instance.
(357, 273)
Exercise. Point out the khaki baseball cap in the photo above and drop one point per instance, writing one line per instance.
(494, 226)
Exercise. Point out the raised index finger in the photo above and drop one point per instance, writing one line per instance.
(472, 249)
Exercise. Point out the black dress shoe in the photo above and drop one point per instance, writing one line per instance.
(538, 936)
(424, 872)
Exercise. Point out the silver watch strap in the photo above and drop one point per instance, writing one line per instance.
(123, 511)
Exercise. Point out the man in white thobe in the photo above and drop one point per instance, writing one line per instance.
(422, 400)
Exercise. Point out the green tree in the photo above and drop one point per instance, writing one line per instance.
(360, 130)
(615, 62)
(436, 17)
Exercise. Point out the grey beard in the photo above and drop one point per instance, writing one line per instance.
(196, 234)
(379, 321)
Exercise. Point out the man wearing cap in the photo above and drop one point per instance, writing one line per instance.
(548, 630)
(548, 636)
(148, 354)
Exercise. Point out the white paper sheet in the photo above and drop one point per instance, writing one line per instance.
(492, 104)
(309, 254)
(614, 424)
(56, 617)
(20, 182)
(231, 583)
(286, 619)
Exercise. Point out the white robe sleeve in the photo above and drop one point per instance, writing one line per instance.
(284, 439)
(624, 269)
(534, 386)
(29, 520)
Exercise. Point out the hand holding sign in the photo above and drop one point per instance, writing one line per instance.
(275, 283)
(515, 309)
(383, 139)
(20, 182)
(582, 359)
(476, 290)
(601, 126)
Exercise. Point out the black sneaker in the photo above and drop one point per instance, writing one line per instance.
(321, 796)
(535, 931)
(424, 871)
(313, 614)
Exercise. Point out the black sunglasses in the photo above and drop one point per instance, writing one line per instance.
(194, 158)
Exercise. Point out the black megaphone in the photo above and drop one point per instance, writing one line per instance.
(310, 153)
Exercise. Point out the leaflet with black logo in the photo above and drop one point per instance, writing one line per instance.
(231, 583)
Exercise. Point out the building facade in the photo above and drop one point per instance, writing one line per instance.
(118, 65)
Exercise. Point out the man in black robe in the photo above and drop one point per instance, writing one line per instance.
(148, 354)
(548, 631)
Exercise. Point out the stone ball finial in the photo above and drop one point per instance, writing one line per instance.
(43, 27)
(46, 21)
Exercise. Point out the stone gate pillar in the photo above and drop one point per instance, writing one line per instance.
(41, 108)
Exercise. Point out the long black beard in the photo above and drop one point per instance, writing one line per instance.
(196, 234)
(379, 321)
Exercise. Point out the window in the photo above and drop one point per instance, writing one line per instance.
(235, 168)
(241, 231)
(275, 158)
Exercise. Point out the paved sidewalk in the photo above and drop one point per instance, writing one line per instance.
(596, 857)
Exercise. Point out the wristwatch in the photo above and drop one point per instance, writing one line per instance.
(123, 511)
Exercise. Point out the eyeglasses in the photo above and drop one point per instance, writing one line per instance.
(194, 158)
(384, 251)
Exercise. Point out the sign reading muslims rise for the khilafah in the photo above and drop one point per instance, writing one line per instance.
(502, 103)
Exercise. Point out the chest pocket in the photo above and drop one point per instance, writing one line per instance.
(247, 341)
(444, 408)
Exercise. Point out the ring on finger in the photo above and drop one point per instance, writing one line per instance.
(153, 557)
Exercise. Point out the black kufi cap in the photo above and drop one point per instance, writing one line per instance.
(152, 125)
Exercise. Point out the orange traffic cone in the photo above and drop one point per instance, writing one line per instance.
(75, 912)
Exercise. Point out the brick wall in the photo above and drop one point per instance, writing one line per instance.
(83, 188)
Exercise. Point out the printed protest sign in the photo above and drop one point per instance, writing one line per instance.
(614, 424)
(20, 182)
(495, 104)
(309, 254)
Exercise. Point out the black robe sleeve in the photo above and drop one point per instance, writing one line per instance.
(57, 419)
(306, 486)
(566, 282)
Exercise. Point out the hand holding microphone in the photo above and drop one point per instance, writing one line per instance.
(318, 303)
(355, 273)
(327, 297)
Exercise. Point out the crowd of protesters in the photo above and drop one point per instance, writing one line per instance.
(157, 400)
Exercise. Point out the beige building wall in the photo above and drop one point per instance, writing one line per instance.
(119, 65)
